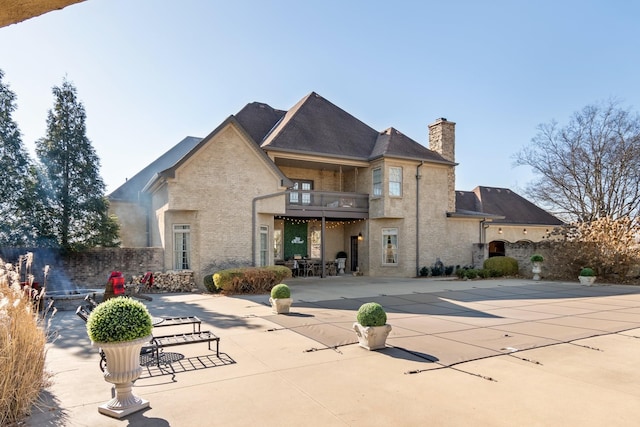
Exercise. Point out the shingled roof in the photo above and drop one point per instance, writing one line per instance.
(316, 126)
(313, 126)
(392, 143)
(503, 202)
(258, 119)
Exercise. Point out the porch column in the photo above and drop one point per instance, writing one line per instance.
(322, 232)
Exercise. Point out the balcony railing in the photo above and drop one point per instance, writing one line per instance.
(327, 203)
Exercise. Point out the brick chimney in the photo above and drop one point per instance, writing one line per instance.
(442, 138)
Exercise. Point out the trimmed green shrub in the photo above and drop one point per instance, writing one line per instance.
(587, 272)
(470, 273)
(448, 270)
(208, 283)
(280, 291)
(250, 280)
(119, 319)
(424, 271)
(507, 266)
(484, 273)
(537, 258)
(371, 314)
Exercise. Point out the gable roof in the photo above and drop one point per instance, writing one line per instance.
(130, 190)
(513, 208)
(231, 120)
(313, 126)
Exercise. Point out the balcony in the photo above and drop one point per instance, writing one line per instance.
(329, 204)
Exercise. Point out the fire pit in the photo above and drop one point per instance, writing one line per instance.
(70, 300)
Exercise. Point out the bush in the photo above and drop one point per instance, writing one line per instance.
(250, 280)
(424, 271)
(448, 270)
(371, 314)
(587, 272)
(507, 266)
(280, 291)
(537, 258)
(119, 319)
(484, 273)
(22, 348)
(208, 283)
(470, 273)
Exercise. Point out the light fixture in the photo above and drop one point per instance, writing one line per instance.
(500, 230)
(524, 231)
(360, 238)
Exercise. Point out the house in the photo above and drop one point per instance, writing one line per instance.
(271, 186)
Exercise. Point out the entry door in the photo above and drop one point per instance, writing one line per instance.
(354, 253)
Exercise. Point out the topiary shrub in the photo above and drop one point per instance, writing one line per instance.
(537, 258)
(119, 319)
(588, 272)
(507, 266)
(424, 271)
(280, 291)
(371, 314)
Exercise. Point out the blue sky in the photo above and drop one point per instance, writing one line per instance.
(150, 72)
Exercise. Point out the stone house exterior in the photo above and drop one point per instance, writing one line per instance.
(270, 186)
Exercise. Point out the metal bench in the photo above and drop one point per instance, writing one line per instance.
(164, 341)
(178, 321)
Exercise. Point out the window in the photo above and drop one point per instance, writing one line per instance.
(300, 192)
(182, 246)
(377, 182)
(264, 246)
(395, 182)
(390, 246)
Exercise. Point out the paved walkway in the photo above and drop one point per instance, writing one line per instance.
(489, 353)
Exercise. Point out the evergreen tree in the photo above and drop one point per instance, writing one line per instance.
(77, 209)
(18, 185)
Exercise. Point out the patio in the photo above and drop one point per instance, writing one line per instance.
(497, 352)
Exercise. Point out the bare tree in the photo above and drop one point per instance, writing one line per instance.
(589, 168)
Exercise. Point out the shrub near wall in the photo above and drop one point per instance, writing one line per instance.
(505, 265)
(251, 280)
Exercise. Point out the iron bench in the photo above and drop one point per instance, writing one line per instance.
(177, 321)
(161, 342)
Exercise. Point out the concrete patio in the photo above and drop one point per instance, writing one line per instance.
(489, 353)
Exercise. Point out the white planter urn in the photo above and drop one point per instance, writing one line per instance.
(372, 337)
(281, 305)
(123, 368)
(587, 280)
(341, 264)
(536, 270)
